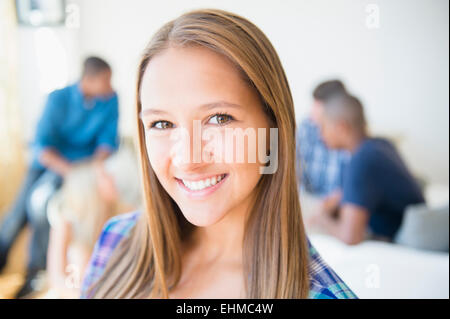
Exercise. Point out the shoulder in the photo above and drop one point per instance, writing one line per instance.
(374, 146)
(113, 98)
(114, 230)
(324, 282)
(63, 92)
(60, 97)
(374, 152)
(120, 225)
(367, 155)
(112, 105)
(57, 96)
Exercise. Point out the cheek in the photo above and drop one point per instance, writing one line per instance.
(158, 150)
(245, 178)
(246, 173)
(98, 84)
(238, 156)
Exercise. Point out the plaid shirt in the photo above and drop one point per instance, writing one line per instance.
(324, 282)
(321, 169)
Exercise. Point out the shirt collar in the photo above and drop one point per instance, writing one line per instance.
(86, 103)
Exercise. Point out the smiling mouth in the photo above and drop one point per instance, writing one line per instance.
(202, 184)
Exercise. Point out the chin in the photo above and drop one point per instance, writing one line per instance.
(203, 217)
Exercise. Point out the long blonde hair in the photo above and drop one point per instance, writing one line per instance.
(78, 202)
(148, 262)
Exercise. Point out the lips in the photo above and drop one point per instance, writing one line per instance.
(202, 184)
(198, 189)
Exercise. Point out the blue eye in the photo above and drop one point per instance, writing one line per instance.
(220, 119)
(161, 125)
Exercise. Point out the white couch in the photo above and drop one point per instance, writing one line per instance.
(376, 269)
(382, 270)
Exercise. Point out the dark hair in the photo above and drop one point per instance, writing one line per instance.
(328, 89)
(94, 65)
(348, 108)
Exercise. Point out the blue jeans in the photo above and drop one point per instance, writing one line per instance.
(30, 207)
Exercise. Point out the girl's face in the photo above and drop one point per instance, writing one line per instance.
(196, 91)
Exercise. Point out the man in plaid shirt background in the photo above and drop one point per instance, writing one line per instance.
(321, 169)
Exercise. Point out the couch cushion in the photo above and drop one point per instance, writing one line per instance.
(425, 228)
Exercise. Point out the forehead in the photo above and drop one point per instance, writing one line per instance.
(191, 76)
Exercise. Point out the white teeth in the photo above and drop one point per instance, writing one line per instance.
(199, 185)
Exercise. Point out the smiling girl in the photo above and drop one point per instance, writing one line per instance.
(212, 228)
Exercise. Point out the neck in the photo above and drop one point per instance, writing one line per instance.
(223, 240)
(354, 141)
(84, 89)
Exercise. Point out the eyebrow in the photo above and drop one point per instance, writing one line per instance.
(206, 106)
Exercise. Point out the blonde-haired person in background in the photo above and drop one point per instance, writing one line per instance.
(91, 193)
(211, 229)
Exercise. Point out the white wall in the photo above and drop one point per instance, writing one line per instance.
(399, 70)
(48, 59)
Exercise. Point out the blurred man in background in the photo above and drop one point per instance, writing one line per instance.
(321, 168)
(78, 122)
(377, 184)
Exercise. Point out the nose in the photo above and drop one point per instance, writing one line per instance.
(187, 149)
